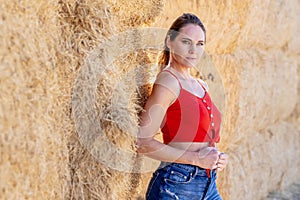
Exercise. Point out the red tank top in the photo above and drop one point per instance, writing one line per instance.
(191, 119)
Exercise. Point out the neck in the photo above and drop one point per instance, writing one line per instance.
(182, 70)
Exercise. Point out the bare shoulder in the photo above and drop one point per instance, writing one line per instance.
(165, 90)
(204, 84)
(168, 81)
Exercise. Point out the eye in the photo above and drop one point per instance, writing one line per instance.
(186, 42)
(200, 44)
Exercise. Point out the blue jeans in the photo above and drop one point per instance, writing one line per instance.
(182, 182)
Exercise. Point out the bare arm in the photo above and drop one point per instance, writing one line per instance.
(155, 109)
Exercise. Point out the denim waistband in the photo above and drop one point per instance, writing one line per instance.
(186, 167)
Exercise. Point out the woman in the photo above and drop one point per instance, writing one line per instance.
(190, 122)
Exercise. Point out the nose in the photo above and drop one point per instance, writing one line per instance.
(192, 48)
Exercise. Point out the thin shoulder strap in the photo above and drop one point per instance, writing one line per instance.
(165, 70)
(201, 85)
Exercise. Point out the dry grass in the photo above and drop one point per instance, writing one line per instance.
(85, 24)
(44, 45)
(33, 151)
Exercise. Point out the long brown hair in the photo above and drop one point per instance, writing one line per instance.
(186, 18)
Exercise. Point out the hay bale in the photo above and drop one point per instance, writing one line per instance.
(129, 14)
(265, 102)
(85, 25)
(33, 151)
(265, 165)
(44, 46)
(275, 27)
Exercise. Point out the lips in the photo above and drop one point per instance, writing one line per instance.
(189, 58)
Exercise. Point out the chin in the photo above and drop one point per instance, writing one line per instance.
(190, 65)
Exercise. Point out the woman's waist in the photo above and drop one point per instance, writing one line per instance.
(189, 146)
(185, 169)
(180, 166)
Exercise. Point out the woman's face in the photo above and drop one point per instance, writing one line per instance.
(188, 46)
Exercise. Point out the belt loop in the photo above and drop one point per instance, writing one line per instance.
(195, 171)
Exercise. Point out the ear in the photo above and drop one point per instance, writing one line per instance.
(168, 42)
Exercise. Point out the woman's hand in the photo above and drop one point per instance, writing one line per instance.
(211, 158)
(222, 161)
(207, 158)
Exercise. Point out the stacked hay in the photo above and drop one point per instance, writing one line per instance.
(99, 165)
(33, 151)
(44, 46)
(255, 48)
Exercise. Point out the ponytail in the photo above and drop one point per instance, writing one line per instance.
(164, 58)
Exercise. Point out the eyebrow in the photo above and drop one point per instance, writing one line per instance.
(191, 40)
